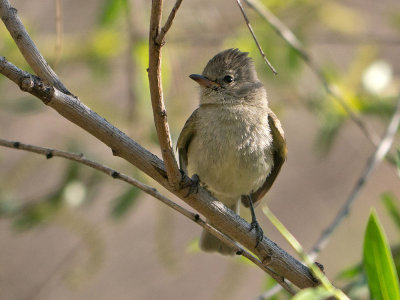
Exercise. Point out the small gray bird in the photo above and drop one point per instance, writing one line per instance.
(233, 143)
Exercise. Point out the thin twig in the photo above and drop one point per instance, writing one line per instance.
(380, 152)
(130, 63)
(157, 98)
(80, 158)
(255, 38)
(168, 23)
(296, 45)
(27, 47)
(59, 33)
(269, 293)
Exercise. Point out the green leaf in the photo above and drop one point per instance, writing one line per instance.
(389, 200)
(124, 202)
(268, 284)
(22, 105)
(380, 107)
(327, 134)
(193, 246)
(319, 293)
(378, 262)
(112, 10)
(351, 272)
(35, 214)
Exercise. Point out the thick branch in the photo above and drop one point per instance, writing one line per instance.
(80, 158)
(225, 220)
(36, 61)
(157, 98)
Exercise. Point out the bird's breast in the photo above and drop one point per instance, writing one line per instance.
(232, 149)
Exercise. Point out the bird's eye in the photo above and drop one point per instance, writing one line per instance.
(228, 79)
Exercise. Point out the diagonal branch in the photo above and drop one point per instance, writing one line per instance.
(157, 98)
(255, 38)
(269, 253)
(80, 158)
(36, 61)
(296, 45)
(380, 152)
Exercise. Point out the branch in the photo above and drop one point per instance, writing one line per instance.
(59, 34)
(380, 152)
(168, 23)
(296, 45)
(36, 61)
(255, 38)
(80, 158)
(157, 98)
(225, 220)
(130, 63)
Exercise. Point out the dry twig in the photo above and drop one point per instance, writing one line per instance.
(380, 152)
(168, 23)
(255, 38)
(59, 35)
(130, 62)
(36, 61)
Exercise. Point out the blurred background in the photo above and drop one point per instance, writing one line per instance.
(69, 232)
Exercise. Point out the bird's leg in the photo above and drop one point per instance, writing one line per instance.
(254, 224)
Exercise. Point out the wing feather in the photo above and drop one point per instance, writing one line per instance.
(187, 133)
(279, 157)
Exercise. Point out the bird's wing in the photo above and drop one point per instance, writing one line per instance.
(187, 133)
(279, 157)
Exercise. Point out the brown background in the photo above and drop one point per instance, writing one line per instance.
(84, 254)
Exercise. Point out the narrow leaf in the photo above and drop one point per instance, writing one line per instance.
(378, 262)
(318, 293)
(351, 273)
(389, 201)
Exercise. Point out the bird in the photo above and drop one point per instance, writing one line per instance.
(232, 144)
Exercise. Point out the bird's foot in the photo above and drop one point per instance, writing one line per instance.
(192, 185)
(259, 232)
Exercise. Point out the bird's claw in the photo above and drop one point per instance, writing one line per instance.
(193, 185)
(259, 232)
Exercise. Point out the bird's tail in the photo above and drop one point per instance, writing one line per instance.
(210, 243)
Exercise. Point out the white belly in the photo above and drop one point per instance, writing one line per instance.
(231, 156)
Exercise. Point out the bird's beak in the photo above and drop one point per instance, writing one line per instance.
(204, 81)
